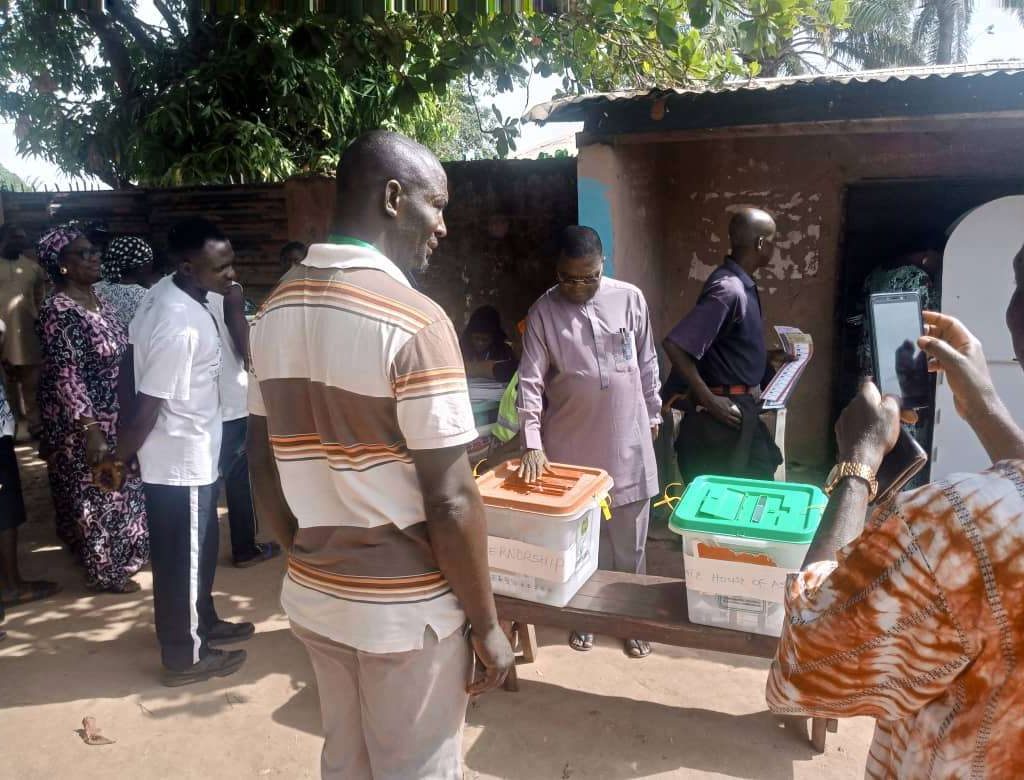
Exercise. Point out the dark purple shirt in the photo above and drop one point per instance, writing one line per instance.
(724, 332)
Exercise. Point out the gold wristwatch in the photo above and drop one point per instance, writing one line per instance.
(848, 469)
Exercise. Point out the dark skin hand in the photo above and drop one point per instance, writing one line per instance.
(719, 407)
(267, 496)
(458, 537)
(134, 430)
(955, 351)
(238, 325)
(866, 432)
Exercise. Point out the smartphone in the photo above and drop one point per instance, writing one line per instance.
(901, 368)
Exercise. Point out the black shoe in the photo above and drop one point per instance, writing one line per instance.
(264, 552)
(216, 663)
(225, 633)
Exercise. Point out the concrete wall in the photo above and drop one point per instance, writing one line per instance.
(686, 190)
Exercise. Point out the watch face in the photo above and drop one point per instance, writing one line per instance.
(833, 475)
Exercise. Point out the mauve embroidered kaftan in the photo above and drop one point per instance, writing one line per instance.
(597, 366)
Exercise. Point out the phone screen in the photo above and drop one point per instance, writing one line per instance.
(901, 368)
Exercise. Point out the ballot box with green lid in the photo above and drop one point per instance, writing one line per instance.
(741, 537)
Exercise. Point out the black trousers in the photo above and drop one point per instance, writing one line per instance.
(706, 446)
(234, 470)
(184, 541)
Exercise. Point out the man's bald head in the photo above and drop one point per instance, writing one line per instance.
(379, 156)
(750, 232)
(392, 192)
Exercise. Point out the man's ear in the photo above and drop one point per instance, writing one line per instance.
(392, 197)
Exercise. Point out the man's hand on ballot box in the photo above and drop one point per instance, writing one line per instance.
(533, 466)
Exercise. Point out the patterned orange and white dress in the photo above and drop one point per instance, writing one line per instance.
(920, 626)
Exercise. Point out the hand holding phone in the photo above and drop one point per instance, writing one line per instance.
(900, 366)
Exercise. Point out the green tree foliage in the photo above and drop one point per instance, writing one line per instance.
(205, 98)
(11, 181)
(884, 33)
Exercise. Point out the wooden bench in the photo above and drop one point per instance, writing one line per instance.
(633, 606)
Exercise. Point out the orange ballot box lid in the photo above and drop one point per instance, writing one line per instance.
(564, 491)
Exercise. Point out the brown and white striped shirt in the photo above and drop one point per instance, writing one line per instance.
(920, 626)
(354, 370)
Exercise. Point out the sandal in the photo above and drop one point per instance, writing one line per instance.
(581, 642)
(128, 586)
(637, 648)
(32, 591)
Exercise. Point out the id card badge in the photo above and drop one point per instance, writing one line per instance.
(626, 341)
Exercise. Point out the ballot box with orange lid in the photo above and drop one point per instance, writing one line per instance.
(543, 538)
(741, 538)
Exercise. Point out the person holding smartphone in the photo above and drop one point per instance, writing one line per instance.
(914, 618)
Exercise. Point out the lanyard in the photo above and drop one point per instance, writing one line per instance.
(337, 238)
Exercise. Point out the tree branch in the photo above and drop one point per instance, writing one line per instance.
(113, 48)
(172, 21)
(137, 30)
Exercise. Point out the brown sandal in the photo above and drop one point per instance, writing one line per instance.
(129, 586)
(580, 641)
(637, 648)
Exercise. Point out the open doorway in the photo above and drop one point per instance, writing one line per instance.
(894, 234)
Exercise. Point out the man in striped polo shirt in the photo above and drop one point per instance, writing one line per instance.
(358, 424)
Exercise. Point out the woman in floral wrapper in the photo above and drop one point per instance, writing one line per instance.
(83, 344)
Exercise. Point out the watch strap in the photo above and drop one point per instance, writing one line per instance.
(848, 469)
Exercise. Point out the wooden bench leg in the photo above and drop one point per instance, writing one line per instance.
(819, 732)
(511, 683)
(527, 635)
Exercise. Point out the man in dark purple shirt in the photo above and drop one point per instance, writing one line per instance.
(719, 350)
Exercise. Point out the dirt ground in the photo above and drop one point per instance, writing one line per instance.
(677, 714)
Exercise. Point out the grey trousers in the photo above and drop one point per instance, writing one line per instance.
(392, 716)
(624, 538)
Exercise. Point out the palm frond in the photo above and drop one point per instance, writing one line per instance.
(1015, 7)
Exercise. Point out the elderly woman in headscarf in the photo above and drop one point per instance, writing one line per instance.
(126, 268)
(83, 344)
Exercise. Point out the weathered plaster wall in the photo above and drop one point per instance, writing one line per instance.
(618, 187)
(690, 188)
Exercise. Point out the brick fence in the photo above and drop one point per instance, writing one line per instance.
(503, 222)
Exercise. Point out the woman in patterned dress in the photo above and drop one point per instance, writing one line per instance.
(127, 267)
(83, 344)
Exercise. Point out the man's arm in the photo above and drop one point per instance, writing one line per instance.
(722, 409)
(267, 496)
(458, 537)
(871, 634)
(133, 431)
(650, 374)
(955, 351)
(533, 369)
(866, 432)
(238, 325)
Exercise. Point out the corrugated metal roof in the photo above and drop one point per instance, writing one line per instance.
(576, 108)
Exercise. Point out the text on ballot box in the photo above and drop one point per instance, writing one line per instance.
(730, 578)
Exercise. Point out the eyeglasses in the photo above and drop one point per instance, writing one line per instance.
(90, 252)
(580, 281)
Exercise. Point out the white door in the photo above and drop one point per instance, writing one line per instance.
(977, 282)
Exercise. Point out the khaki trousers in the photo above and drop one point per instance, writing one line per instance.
(392, 716)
